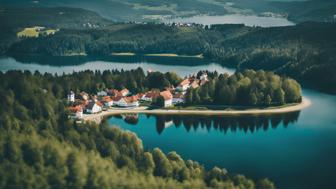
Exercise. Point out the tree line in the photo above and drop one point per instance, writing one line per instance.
(247, 88)
(305, 52)
(41, 148)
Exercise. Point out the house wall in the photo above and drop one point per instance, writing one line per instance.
(95, 109)
(178, 100)
(168, 103)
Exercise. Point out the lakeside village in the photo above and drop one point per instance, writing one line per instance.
(106, 100)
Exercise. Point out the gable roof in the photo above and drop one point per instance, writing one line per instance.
(185, 82)
(166, 95)
(131, 99)
(152, 94)
(116, 98)
(124, 91)
(107, 99)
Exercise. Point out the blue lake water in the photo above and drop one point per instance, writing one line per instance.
(248, 20)
(296, 150)
(74, 64)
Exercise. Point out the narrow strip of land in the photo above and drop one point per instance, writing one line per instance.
(115, 111)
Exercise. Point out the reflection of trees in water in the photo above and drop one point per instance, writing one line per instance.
(132, 119)
(244, 123)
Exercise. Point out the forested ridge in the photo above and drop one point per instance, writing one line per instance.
(305, 52)
(41, 148)
(247, 88)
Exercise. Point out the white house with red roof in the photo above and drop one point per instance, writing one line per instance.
(149, 96)
(131, 101)
(108, 102)
(93, 107)
(168, 98)
(184, 85)
(124, 92)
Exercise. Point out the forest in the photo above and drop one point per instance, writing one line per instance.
(305, 52)
(42, 148)
(247, 88)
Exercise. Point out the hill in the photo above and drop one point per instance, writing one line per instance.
(150, 10)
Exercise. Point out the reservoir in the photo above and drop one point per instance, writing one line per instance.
(295, 150)
(247, 20)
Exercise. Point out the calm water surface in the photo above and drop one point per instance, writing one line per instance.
(248, 20)
(296, 150)
(61, 65)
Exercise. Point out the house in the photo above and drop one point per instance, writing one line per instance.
(93, 107)
(114, 92)
(168, 98)
(124, 92)
(178, 98)
(184, 85)
(77, 112)
(149, 96)
(194, 84)
(101, 93)
(131, 101)
(71, 97)
(203, 78)
(107, 101)
(116, 100)
(84, 96)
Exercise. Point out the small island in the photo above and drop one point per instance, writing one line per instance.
(208, 93)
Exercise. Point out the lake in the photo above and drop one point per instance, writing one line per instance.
(248, 20)
(295, 150)
(62, 65)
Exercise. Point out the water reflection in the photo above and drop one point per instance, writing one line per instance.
(250, 123)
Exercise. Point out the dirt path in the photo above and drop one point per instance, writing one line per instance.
(99, 117)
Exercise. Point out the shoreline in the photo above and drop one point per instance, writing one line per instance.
(115, 111)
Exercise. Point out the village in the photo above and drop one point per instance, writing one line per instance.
(106, 100)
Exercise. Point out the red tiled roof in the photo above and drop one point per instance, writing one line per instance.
(107, 99)
(185, 82)
(166, 95)
(116, 98)
(124, 91)
(152, 94)
(75, 109)
(131, 99)
(114, 92)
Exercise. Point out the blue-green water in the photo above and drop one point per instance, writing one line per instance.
(296, 150)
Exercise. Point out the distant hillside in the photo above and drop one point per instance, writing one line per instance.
(15, 19)
(140, 10)
(59, 17)
(306, 52)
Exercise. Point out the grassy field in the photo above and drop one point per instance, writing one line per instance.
(28, 32)
(35, 31)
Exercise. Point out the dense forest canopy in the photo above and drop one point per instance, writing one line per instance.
(305, 52)
(44, 149)
(248, 88)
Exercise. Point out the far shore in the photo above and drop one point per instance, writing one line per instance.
(272, 110)
(158, 55)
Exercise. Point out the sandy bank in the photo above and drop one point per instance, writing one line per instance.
(98, 117)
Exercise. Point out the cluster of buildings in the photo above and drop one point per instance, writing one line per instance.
(91, 104)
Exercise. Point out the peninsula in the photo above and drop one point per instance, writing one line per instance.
(206, 93)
